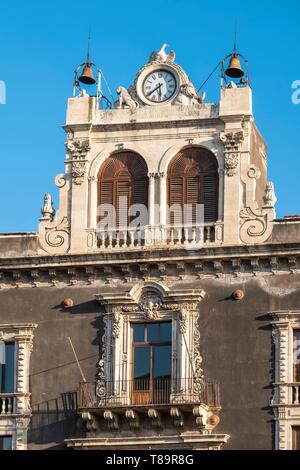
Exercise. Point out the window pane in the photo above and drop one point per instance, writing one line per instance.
(152, 332)
(297, 355)
(9, 375)
(139, 333)
(166, 331)
(162, 362)
(6, 443)
(141, 362)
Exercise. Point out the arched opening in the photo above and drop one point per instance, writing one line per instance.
(193, 179)
(122, 183)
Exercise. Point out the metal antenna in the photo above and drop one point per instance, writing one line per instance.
(76, 358)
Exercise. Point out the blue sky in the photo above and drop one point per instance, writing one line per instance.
(42, 43)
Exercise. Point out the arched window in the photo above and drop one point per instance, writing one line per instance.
(193, 179)
(123, 182)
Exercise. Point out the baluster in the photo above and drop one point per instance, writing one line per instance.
(171, 237)
(9, 405)
(117, 244)
(208, 234)
(110, 240)
(297, 395)
(178, 240)
(186, 236)
(3, 405)
(194, 240)
(131, 238)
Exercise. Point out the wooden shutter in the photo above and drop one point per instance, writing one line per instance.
(193, 196)
(210, 198)
(122, 202)
(176, 197)
(106, 196)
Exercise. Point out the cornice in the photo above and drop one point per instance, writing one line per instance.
(106, 268)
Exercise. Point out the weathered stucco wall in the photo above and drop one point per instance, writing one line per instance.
(236, 347)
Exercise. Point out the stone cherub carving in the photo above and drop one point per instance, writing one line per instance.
(125, 100)
(48, 211)
(161, 55)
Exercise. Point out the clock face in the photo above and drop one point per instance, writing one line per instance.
(159, 86)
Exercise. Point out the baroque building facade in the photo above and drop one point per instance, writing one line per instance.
(186, 331)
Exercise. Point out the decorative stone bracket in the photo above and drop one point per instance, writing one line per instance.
(78, 150)
(232, 142)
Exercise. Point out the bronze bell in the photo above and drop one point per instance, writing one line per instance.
(87, 76)
(235, 69)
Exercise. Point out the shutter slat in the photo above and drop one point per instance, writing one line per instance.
(210, 198)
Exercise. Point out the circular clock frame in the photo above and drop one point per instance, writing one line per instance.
(143, 76)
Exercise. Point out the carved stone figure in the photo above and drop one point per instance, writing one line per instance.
(48, 210)
(125, 100)
(270, 198)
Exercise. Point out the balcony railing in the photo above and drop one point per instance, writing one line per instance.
(294, 394)
(144, 392)
(7, 404)
(188, 236)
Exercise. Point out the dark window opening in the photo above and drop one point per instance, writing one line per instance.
(296, 356)
(5, 442)
(152, 352)
(7, 368)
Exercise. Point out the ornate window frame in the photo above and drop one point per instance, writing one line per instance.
(150, 302)
(15, 420)
(286, 399)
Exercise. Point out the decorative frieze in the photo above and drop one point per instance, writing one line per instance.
(82, 275)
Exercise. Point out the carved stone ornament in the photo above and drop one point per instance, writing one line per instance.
(231, 164)
(116, 325)
(55, 235)
(78, 172)
(125, 100)
(185, 93)
(270, 198)
(232, 142)
(48, 211)
(182, 321)
(78, 148)
(150, 303)
(256, 225)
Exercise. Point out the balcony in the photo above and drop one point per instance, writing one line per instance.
(144, 393)
(178, 236)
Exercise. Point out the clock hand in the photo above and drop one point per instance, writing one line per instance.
(156, 88)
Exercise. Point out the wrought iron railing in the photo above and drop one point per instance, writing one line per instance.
(144, 392)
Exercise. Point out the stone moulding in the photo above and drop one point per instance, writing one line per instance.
(285, 403)
(81, 273)
(150, 301)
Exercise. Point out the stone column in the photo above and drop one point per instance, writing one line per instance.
(151, 199)
(162, 199)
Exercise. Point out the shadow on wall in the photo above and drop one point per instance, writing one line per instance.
(55, 420)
